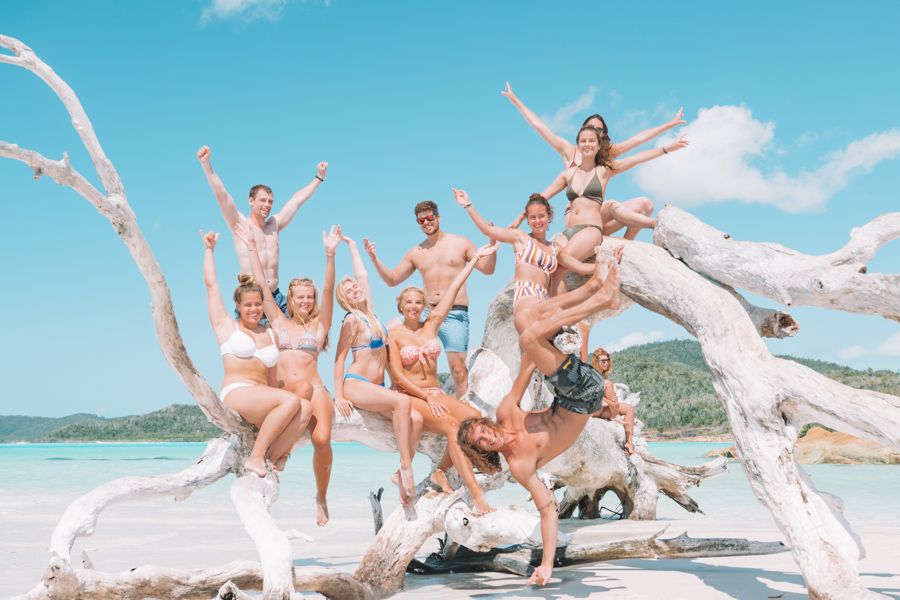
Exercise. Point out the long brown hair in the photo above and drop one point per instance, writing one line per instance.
(485, 461)
(604, 156)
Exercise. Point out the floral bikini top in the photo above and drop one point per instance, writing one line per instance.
(430, 350)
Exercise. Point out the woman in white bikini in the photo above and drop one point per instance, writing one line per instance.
(301, 336)
(361, 385)
(249, 355)
(414, 350)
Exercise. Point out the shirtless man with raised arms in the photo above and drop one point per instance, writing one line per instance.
(439, 258)
(265, 229)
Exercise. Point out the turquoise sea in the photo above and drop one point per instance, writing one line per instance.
(40, 480)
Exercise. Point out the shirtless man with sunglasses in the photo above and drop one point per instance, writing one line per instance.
(439, 258)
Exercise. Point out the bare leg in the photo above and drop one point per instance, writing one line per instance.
(323, 457)
(627, 412)
(281, 448)
(534, 340)
(459, 372)
(393, 404)
(271, 410)
(635, 214)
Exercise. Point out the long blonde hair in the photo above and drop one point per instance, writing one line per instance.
(296, 315)
(361, 317)
(595, 361)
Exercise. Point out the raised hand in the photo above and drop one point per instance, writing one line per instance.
(322, 169)
(243, 231)
(461, 197)
(209, 239)
(203, 155)
(508, 92)
(370, 247)
(331, 239)
(678, 144)
(487, 249)
(678, 119)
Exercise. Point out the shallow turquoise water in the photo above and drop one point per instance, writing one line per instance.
(68, 470)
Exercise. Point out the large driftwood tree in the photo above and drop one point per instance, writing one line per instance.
(766, 400)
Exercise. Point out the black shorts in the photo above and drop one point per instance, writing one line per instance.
(578, 385)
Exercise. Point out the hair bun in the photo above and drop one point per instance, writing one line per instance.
(244, 279)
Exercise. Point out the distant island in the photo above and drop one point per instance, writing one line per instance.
(677, 402)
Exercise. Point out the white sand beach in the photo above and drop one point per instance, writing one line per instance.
(204, 531)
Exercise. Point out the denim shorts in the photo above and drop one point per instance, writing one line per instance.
(454, 331)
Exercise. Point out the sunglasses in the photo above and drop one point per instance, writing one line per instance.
(425, 219)
(602, 360)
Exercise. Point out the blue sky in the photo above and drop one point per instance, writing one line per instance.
(403, 100)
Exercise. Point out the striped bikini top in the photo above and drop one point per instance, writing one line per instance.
(533, 254)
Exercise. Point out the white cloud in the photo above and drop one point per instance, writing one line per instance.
(888, 347)
(244, 10)
(561, 121)
(719, 166)
(635, 338)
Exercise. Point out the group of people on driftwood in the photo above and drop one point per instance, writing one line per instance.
(270, 342)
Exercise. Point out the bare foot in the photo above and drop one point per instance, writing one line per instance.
(439, 478)
(255, 465)
(404, 497)
(409, 483)
(279, 464)
(629, 447)
(321, 511)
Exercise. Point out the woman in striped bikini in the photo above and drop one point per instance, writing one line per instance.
(362, 384)
(536, 258)
(301, 336)
(413, 366)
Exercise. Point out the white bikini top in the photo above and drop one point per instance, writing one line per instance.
(241, 345)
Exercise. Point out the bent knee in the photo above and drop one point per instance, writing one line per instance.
(304, 390)
(320, 438)
(645, 205)
(291, 402)
(528, 337)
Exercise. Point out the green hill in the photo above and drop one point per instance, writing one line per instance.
(676, 389)
(677, 399)
(179, 422)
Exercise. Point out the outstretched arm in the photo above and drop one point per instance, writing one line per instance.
(556, 187)
(623, 164)
(244, 234)
(648, 134)
(546, 505)
(501, 234)
(226, 202)
(326, 307)
(488, 263)
(511, 400)
(359, 269)
(565, 149)
(391, 277)
(286, 214)
(218, 316)
(440, 312)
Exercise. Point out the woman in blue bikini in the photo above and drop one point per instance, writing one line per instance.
(361, 385)
(249, 355)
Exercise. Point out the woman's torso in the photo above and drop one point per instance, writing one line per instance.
(419, 351)
(369, 353)
(586, 190)
(248, 356)
(535, 261)
(300, 346)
